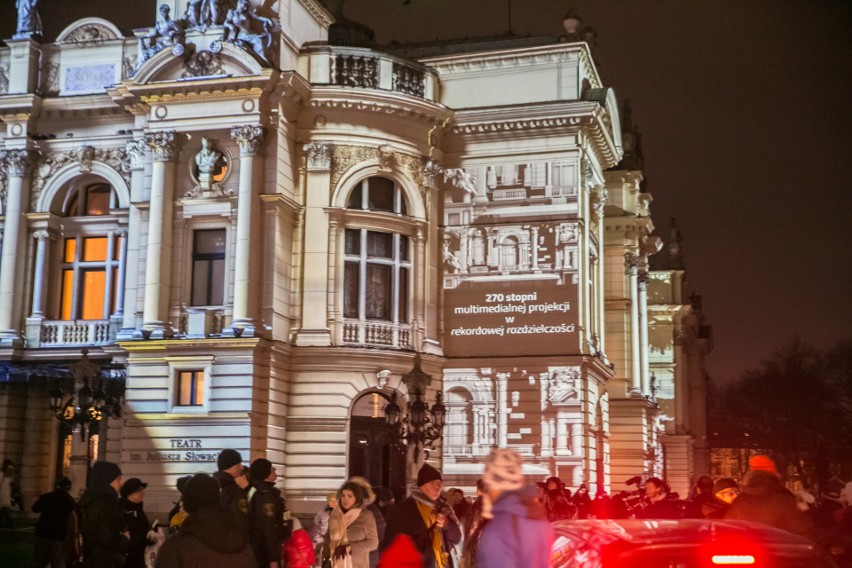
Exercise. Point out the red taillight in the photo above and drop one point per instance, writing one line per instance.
(733, 560)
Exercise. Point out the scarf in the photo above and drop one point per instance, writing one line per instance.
(429, 512)
(338, 523)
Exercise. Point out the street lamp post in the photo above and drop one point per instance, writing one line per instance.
(81, 401)
(419, 426)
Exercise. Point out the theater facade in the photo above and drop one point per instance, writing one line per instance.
(244, 237)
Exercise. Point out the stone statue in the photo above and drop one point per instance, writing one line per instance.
(213, 12)
(238, 31)
(166, 33)
(193, 15)
(208, 160)
(461, 179)
(450, 259)
(29, 21)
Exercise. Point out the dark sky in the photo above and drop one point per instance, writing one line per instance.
(745, 109)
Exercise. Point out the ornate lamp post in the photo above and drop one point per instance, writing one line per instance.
(85, 398)
(419, 426)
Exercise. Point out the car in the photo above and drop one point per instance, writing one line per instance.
(687, 543)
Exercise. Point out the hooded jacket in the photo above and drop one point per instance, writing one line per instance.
(519, 533)
(210, 537)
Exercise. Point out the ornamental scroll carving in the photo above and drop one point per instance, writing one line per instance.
(86, 156)
(344, 157)
(163, 145)
(91, 35)
(318, 156)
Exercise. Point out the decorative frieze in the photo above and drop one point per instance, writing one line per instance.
(249, 138)
(163, 145)
(203, 64)
(517, 125)
(48, 164)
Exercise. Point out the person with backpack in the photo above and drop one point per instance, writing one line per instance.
(266, 515)
(105, 537)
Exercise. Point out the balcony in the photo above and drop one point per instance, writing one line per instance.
(50, 333)
(377, 334)
(367, 69)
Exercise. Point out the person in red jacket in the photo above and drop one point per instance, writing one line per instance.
(298, 550)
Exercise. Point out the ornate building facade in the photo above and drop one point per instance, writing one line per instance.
(252, 222)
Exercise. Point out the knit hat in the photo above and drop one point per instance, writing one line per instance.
(131, 486)
(724, 483)
(426, 474)
(401, 554)
(200, 491)
(503, 470)
(181, 482)
(763, 463)
(260, 469)
(64, 483)
(228, 458)
(104, 473)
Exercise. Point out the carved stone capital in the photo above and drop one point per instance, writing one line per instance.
(249, 138)
(163, 144)
(42, 235)
(136, 152)
(642, 276)
(18, 162)
(631, 263)
(598, 199)
(318, 156)
(432, 172)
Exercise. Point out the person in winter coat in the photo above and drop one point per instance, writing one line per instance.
(427, 519)
(233, 482)
(211, 536)
(351, 530)
(557, 500)
(54, 510)
(320, 526)
(518, 533)
(473, 523)
(266, 515)
(298, 551)
(582, 502)
(135, 520)
(764, 499)
(371, 505)
(105, 537)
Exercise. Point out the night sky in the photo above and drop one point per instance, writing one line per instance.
(745, 110)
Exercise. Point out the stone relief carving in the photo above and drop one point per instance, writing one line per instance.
(18, 162)
(49, 85)
(598, 199)
(345, 157)
(209, 163)
(4, 79)
(461, 179)
(135, 150)
(203, 64)
(567, 233)
(50, 163)
(91, 35)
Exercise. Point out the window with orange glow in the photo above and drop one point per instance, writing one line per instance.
(190, 388)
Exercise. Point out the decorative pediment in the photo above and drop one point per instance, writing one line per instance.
(89, 32)
(218, 60)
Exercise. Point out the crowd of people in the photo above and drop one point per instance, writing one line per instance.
(238, 518)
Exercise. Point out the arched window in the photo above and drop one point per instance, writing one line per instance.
(377, 264)
(460, 422)
(477, 248)
(90, 252)
(510, 253)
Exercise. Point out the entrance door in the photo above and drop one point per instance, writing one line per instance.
(372, 452)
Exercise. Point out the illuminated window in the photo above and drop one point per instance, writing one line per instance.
(377, 266)
(95, 199)
(208, 267)
(89, 275)
(376, 276)
(190, 388)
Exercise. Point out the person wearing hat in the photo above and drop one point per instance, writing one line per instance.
(105, 538)
(724, 491)
(427, 519)
(54, 510)
(266, 514)
(132, 502)
(371, 505)
(211, 535)
(351, 530)
(518, 533)
(233, 481)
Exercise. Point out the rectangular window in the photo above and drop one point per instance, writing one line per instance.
(67, 292)
(208, 268)
(70, 249)
(92, 294)
(190, 388)
(95, 249)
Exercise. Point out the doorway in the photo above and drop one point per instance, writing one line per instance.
(373, 453)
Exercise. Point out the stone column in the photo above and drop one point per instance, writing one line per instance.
(163, 145)
(42, 237)
(17, 164)
(418, 274)
(632, 291)
(577, 439)
(644, 364)
(534, 248)
(503, 409)
(562, 436)
(128, 291)
(250, 140)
